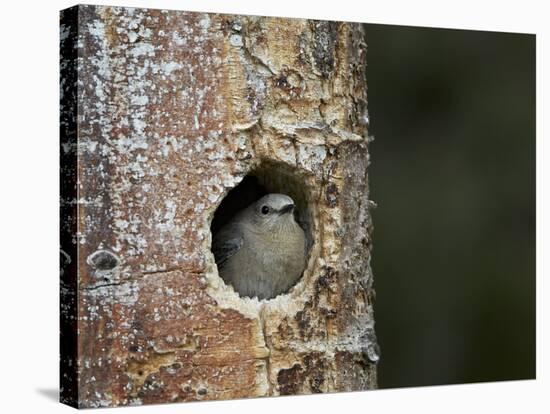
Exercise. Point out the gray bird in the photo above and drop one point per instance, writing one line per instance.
(262, 250)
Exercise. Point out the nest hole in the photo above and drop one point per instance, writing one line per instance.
(268, 177)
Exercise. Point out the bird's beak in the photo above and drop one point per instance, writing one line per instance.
(289, 208)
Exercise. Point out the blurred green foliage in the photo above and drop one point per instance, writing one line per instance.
(453, 173)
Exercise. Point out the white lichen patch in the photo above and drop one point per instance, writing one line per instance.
(142, 49)
(311, 157)
(139, 100)
(236, 40)
(169, 67)
(204, 23)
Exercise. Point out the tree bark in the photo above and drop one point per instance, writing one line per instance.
(162, 114)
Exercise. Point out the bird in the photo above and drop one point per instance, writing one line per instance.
(261, 251)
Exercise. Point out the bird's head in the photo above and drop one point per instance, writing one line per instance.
(274, 210)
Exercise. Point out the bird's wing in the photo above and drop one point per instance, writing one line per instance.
(226, 243)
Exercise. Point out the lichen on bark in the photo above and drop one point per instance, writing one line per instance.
(174, 110)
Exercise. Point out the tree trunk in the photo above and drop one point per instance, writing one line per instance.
(162, 114)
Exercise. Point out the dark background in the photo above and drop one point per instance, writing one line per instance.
(453, 173)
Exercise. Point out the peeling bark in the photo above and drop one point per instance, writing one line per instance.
(162, 114)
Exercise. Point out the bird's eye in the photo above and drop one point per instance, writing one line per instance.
(265, 210)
